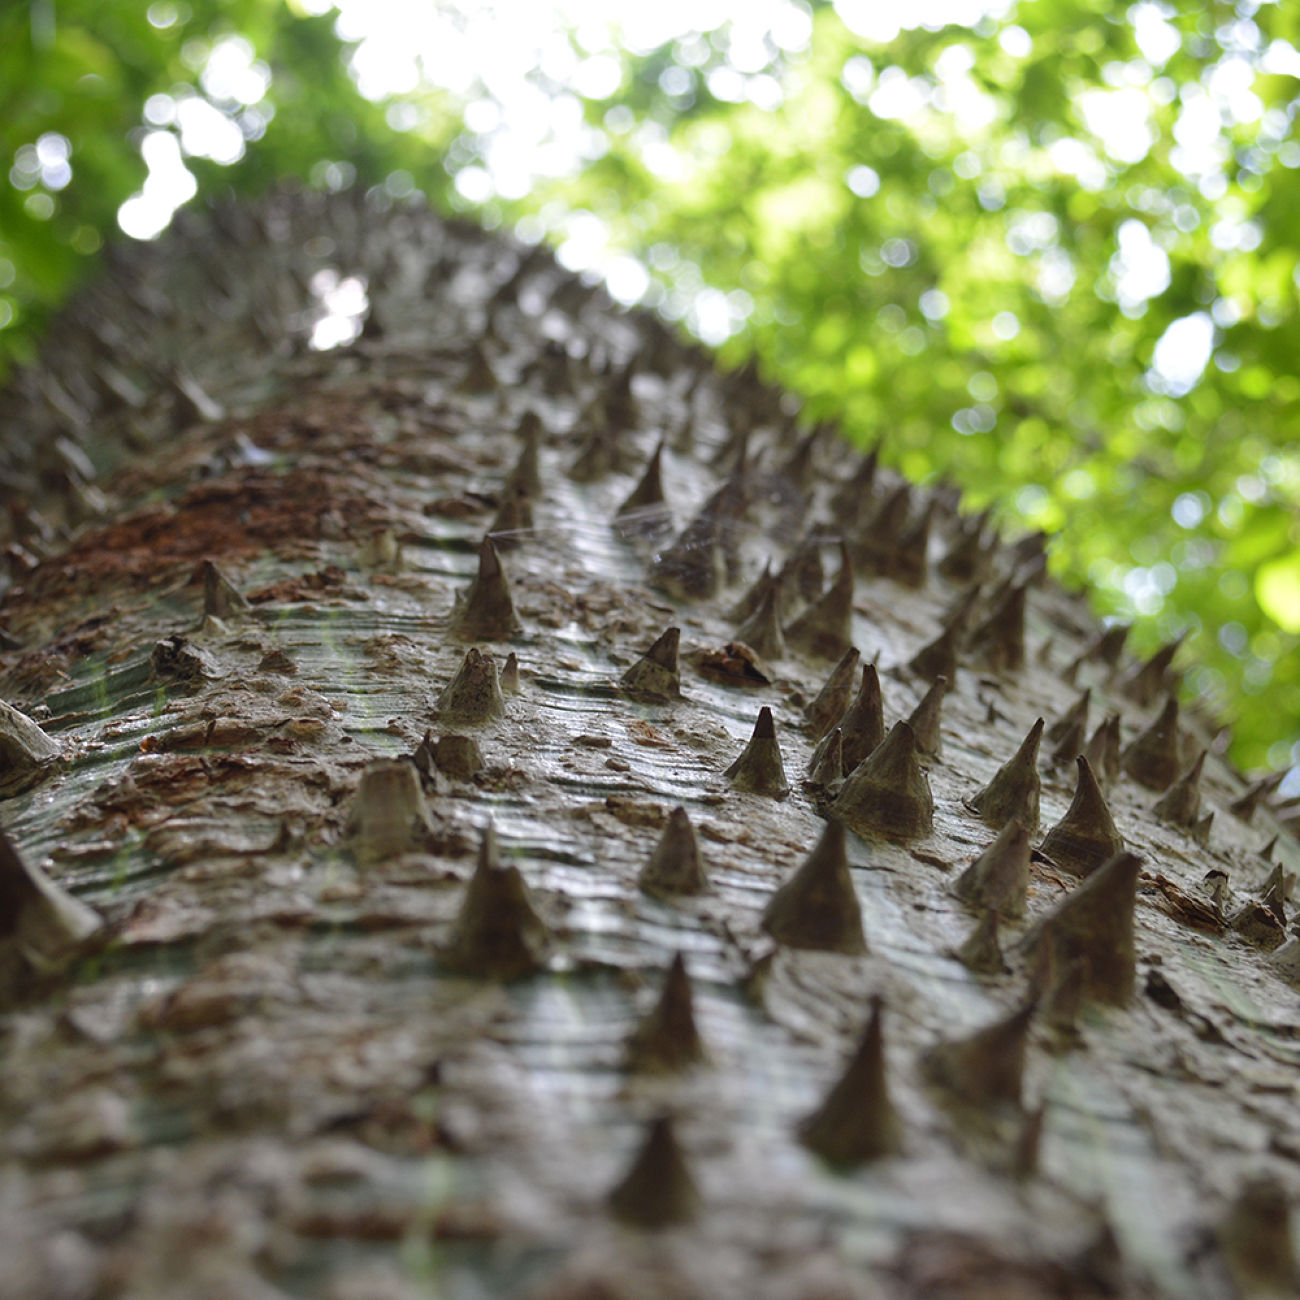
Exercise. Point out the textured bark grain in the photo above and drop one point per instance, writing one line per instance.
(305, 1056)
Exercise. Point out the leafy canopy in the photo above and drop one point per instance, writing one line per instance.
(1048, 249)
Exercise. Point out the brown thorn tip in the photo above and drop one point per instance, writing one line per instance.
(887, 794)
(761, 631)
(1014, 790)
(1152, 758)
(759, 769)
(999, 878)
(497, 933)
(655, 676)
(1086, 836)
(486, 611)
(474, 693)
(925, 719)
(833, 698)
(1180, 805)
(674, 866)
(667, 1038)
(985, 1069)
(657, 1189)
(1093, 928)
(863, 724)
(817, 906)
(389, 815)
(825, 628)
(1074, 721)
(826, 768)
(1102, 750)
(221, 598)
(981, 952)
(998, 643)
(857, 1120)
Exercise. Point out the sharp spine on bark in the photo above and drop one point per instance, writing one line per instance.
(863, 724)
(1057, 980)
(857, 1120)
(644, 508)
(1014, 789)
(826, 768)
(825, 628)
(761, 631)
(479, 376)
(1285, 960)
(817, 906)
(1150, 680)
(1073, 722)
(878, 541)
(26, 752)
(1273, 895)
(924, 719)
(514, 517)
(1103, 750)
(985, 1069)
(692, 567)
(597, 455)
(1109, 645)
(1255, 1239)
(910, 562)
(497, 932)
(459, 757)
(1201, 829)
(388, 816)
(981, 952)
(799, 468)
(833, 699)
(848, 502)
(1086, 836)
(674, 866)
(801, 576)
(474, 694)
(654, 676)
(1277, 882)
(887, 794)
(1180, 805)
(486, 611)
(1258, 923)
(1093, 927)
(1152, 758)
(221, 598)
(938, 658)
(998, 643)
(753, 597)
(759, 769)
(667, 1038)
(510, 675)
(42, 926)
(999, 878)
(657, 1190)
(526, 475)
(968, 558)
(1244, 805)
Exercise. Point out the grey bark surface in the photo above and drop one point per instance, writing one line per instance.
(335, 1038)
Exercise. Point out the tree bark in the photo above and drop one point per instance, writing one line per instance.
(379, 996)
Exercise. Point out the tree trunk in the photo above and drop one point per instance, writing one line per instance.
(376, 998)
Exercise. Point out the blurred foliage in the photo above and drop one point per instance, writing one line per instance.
(76, 77)
(1004, 248)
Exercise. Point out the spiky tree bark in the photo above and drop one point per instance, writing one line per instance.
(412, 884)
